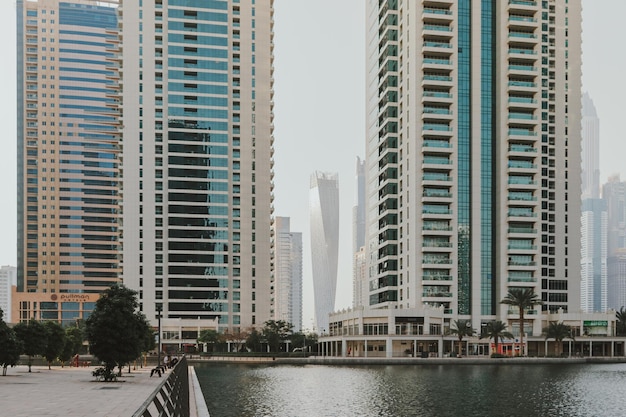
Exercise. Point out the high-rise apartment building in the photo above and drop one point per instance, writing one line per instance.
(198, 158)
(287, 273)
(324, 223)
(358, 234)
(473, 155)
(8, 279)
(67, 147)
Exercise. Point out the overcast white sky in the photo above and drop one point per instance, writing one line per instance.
(320, 111)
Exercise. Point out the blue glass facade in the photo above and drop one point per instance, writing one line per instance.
(487, 157)
(464, 158)
(72, 198)
(198, 176)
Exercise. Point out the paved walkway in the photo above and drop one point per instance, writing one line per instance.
(72, 392)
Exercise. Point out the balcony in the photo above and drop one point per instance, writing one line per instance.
(436, 260)
(521, 230)
(437, 160)
(522, 132)
(436, 177)
(436, 193)
(436, 277)
(433, 145)
(437, 28)
(522, 212)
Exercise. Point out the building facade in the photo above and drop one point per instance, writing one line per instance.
(287, 273)
(614, 194)
(67, 146)
(198, 159)
(590, 172)
(593, 256)
(8, 280)
(473, 156)
(324, 223)
(358, 234)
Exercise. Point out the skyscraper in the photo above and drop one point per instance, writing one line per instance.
(324, 223)
(358, 235)
(68, 148)
(593, 256)
(287, 273)
(198, 158)
(614, 194)
(473, 155)
(590, 149)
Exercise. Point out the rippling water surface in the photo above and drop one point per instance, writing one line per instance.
(414, 390)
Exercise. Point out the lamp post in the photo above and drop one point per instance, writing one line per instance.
(158, 309)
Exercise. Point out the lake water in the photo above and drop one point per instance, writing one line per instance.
(414, 390)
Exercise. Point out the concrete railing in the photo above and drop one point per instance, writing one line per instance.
(171, 397)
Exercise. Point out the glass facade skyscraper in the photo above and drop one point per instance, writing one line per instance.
(68, 146)
(198, 158)
(324, 223)
(473, 155)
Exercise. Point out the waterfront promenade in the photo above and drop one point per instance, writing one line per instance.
(72, 392)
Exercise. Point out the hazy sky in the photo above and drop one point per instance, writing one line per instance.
(320, 111)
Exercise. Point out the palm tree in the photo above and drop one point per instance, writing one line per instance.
(496, 329)
(463, 328)
(621, 321)
(523, 299)
(558, 332)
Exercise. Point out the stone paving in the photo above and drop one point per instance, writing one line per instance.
(72, 392)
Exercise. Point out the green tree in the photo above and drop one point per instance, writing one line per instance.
(34, 338)
(621, 322)
(303, 340)
(496, 330)
(253, 341)
(73, 343)
(210, 337)
(558, 331)
(115, 329)
(275, 332)
(461, 329)
(55, 341)
(524, 299)
(237, 337)
(10, 346)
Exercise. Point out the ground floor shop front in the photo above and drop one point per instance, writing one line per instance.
(441, 347)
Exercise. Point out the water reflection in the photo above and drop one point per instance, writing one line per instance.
(438, 390)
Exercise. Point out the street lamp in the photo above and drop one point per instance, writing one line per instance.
(158, 309)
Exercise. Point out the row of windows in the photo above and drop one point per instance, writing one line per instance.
(202, 40)
(198, 185)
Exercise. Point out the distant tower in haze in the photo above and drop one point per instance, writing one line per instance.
(614, 193)
(590, 174)
(358, 235)
(324, 223)
(287, 274)
(593, 254)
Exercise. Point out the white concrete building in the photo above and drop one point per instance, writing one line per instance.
(287, 273)
(473, 156)
(358, 234)
(8, 280)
